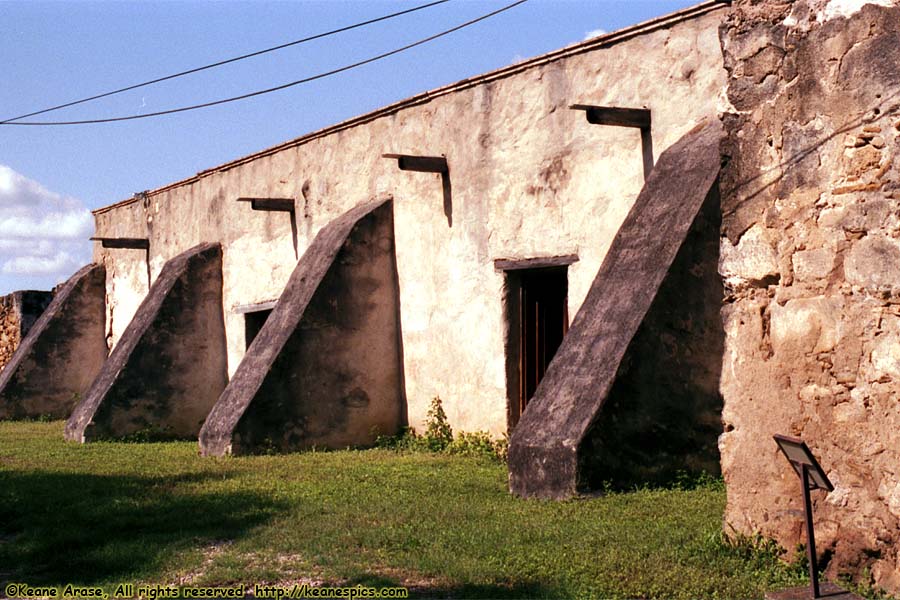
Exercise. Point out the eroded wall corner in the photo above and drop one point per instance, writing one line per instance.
(18, 313)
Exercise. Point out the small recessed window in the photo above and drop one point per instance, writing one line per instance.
(253, 323)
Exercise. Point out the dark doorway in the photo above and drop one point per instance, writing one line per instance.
(538, 317)
(253, 322)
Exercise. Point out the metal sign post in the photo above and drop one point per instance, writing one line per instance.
(812, 477)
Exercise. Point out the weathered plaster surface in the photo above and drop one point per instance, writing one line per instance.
(547, 450)
(168, 368)
(529, 178)
(326, 368)
(811, 195)
(61, 354)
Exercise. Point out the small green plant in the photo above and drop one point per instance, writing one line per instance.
(864, 585)
(688, 480)
(266, 447)
(501, 448)
(438, 434)
(38, 418)
(406, 440)
(760, 555)
(438, 437)
(800, 562)
(479, 443)
(753, 547)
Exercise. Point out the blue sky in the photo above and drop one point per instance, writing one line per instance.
(55, 52)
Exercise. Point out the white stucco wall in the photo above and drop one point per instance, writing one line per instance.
(530, 178)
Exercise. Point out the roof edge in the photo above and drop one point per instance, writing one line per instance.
(603, 41)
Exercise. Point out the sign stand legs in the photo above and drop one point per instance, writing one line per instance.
(810, 536)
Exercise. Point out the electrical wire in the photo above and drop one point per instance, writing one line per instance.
(225, 62)
(279, 87)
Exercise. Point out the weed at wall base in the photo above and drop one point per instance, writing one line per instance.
(439, 438)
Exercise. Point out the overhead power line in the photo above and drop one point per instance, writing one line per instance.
(225, 62)
(279, 87)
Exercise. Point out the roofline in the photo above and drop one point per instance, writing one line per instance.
(602, 41)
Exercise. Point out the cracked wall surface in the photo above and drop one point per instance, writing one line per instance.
(810, 257)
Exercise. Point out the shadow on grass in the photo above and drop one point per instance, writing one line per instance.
(465, 590)
(486, 592)
(58, 528)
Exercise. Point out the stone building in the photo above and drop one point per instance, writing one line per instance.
(695, 218)
(528, 189)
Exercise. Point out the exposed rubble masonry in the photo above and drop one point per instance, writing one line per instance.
(811, 262)
(18, 312)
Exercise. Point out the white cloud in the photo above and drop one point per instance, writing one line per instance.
(594, 33)
(61, 262)
(43, 235)
(53, 225)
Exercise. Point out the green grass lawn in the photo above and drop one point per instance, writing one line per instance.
(445, 526)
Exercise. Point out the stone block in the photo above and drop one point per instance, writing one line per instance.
(853, 411)
(874, 263)
(813, 265)
(885, 349)
(752, 260)
(866, 216)
(805, 326)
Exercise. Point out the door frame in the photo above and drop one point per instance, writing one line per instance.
(514, 301)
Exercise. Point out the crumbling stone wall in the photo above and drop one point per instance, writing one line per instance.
(10, 334)
(811, 261)
(18, 312)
